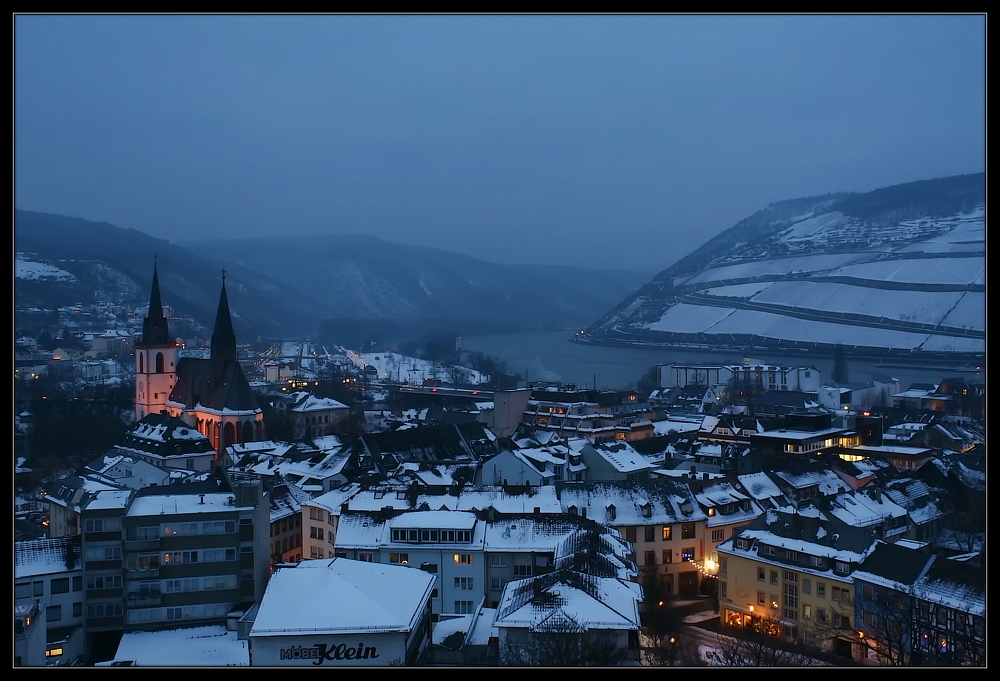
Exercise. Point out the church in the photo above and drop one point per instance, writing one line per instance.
(211, 396)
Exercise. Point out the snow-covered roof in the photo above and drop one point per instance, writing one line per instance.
(801, 435)
(860, 509)
(471, 498)
(335, 498)
(286, 500)
(43, 557)
(107, 499)
(482, 629)
(341, 596)
(623, 457)
(307, 402)
(675, 424)
(828, 481)
(584, 600)
(448, 625)
(158, 504)
(895, 449)
(720, 494)
(447, 520)
(210, 646)
(644, 502)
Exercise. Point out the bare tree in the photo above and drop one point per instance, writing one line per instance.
(562, 641)
(759, 646)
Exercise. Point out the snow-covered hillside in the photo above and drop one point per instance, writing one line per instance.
(25, 268)
(864, 272)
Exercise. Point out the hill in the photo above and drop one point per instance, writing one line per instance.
(896, 271)
(288, 285)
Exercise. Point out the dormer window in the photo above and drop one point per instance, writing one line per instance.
(743, 543)
(711, 511)
(647, 510)
(611, 511)
(572, 510)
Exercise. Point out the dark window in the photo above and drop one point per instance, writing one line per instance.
(53, 613)
(60, 586)
(650, 558)
(650, 533)
(78, 584)
(78, 610)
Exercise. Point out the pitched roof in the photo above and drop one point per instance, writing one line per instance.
(895, 563)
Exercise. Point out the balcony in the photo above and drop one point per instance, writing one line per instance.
(145, 572)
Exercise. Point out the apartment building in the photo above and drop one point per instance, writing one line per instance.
(51, 572)
(791, 576)
(193, 555)
(170, 555)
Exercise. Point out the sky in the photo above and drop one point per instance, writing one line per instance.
(620, 142)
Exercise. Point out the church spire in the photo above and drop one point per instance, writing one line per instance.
(154, 326)
(223, 337)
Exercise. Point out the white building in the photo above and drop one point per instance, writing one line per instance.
(448, 544)
(128, 471)
(339, 612)
(751, 372)
(50, 571)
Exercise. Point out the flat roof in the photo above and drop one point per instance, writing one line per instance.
(161, 504)
(434, 520)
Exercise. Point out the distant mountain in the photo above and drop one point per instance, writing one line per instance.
(896, 271)
(362, 277)
(287, 285)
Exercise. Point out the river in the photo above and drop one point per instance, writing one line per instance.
(551, 356)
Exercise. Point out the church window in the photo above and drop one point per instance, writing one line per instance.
(141, 370)
(159, 362)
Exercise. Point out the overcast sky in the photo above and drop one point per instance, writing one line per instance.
(620, 142)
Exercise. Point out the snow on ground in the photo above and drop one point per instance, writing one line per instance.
(791, 328)
(969, 234)
(412, 370)
(966, 271)
(739, 290)
(915, 306)
(29, 269)
(700, 617)
(969, 313)
(807, 263)
(685, 318)
(813, 227)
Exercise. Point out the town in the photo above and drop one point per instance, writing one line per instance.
(205, 501)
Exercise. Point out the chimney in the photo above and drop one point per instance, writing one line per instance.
(694, 471)
(704, 476)
(202, 499)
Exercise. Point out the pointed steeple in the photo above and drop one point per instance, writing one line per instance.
(154, 326)
(223, 337)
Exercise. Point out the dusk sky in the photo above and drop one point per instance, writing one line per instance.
(602, 141)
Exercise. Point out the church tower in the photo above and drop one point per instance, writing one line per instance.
(155, 359)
